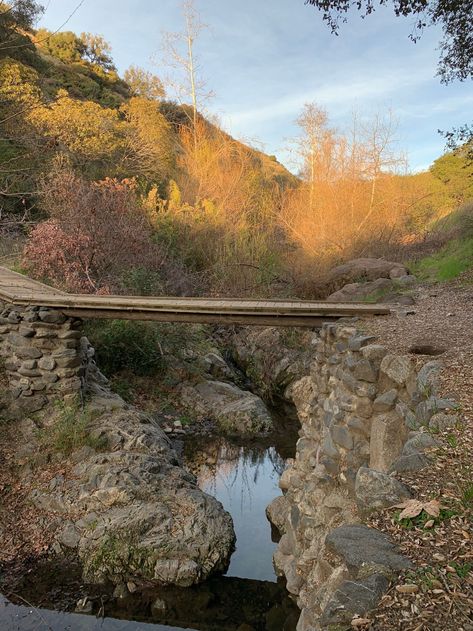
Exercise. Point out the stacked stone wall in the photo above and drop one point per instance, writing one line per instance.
(364, 413)
(42, 353)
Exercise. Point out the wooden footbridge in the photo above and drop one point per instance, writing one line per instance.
(20, 290)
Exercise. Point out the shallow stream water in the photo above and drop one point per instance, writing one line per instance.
(244, 477)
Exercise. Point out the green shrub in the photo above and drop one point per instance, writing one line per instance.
(143, 348)
(122, 344)
(142, 282)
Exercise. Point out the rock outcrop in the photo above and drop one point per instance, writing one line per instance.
(126, 509)
(365, 269)
(237, 412)
(370, 279)
(132, 513)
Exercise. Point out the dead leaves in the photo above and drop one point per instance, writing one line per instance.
(408, 588)
(360, 623)
(413, 508)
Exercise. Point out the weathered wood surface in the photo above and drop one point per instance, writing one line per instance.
(23, 291)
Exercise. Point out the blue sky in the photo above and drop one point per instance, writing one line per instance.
(264, 59)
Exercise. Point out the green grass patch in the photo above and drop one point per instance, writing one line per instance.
(462, 569)
(380, 294)
(70, 431)
(420, 520)
(186, 420)
(467, 496)
(123, 388)
(451, 261)
(377, 296)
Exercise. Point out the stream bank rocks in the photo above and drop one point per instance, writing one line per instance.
(131, 513)
(237, 412)
(123, 505)
(365, 415)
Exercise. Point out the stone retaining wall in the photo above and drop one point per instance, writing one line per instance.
(43, 355)
(364, 414)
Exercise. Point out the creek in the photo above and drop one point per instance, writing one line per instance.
(244, 477)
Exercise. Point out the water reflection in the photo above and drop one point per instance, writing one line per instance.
(244, 477)
(220, 604)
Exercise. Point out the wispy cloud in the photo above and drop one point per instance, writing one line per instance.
(331, 96)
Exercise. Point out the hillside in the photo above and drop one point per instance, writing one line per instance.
(90, 159)
(64, 108)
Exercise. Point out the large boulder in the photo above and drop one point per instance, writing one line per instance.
(365, 269)
(360, 546)
(237, 412)
(374, 489)
(357, 292)
(130, 512)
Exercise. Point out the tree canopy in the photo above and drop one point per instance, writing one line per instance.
(22, 13)
(144, 83)
(65, 45)
(453, 16)
(97, 50)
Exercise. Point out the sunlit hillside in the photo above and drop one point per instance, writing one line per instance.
(90, 159)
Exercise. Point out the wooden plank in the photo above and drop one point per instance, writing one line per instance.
(204, 318)
(105, 302)
(131, 309)
(22, 290)
(10, 278)
(35, 291)
(186, 303)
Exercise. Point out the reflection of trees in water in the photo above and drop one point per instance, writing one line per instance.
(219, 461)
(279, 463)
(221, 603)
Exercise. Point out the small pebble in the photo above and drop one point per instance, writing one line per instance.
(84, 605)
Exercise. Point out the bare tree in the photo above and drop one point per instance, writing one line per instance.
(180, 55)
(352, 190)
(379, 155)
(315, 148)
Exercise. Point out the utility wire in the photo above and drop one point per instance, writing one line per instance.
(51, 34)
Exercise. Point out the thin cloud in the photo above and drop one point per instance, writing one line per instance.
(330, 96)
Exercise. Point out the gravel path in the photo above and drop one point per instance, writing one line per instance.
(442, 318)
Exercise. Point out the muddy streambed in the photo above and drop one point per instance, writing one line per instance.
(244, 477)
